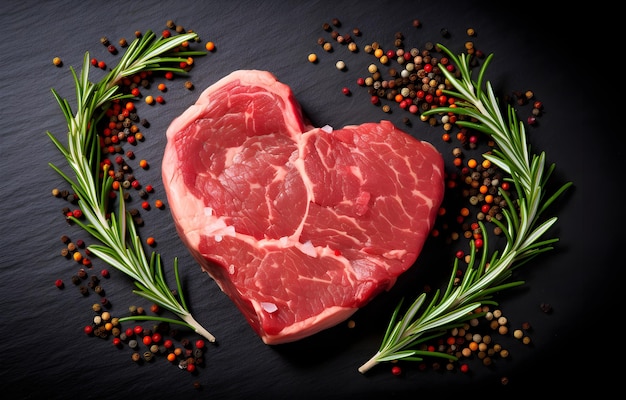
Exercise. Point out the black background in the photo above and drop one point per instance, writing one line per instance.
(44, 351)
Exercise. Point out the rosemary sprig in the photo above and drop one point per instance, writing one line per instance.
(120, 244)
(523, 230)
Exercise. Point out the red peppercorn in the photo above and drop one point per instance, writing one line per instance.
(460, 254)
(77, 213)
(88, 329)
(168, 343)
(160, 99)
(374, 99)
(112, 49)
(149, 188)
(130, 332)
(156, 337)
(396, 370)
(360, 81)
(59, 283)
(478, 243)
(104, 273)
(169, 75)
(138, 329)
(345, 91)
(147, 340)
(135, 184)
(166, 33)
(145, 205)
(94, 62)
(199, 344)
(117, 342)
(464, 368)
(191, 367)
(102, 65)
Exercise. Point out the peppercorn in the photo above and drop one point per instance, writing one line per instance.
(57, 61)
(136, 357)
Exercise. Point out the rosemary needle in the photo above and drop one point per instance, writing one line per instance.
(120, 245)
(524, 227)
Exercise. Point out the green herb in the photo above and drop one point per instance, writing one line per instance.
(524, 227)
(120, 244)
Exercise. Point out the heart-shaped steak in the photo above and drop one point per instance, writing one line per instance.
(299, 226)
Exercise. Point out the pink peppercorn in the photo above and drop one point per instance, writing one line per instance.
(396, 370)
(59, 283)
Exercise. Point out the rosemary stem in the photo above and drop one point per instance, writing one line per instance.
(372, 362)
(188, 318)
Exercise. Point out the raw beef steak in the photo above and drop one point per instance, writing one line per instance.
(299, 226)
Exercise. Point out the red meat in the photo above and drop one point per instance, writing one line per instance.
(299, 226)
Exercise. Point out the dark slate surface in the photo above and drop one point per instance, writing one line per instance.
(44, 351)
